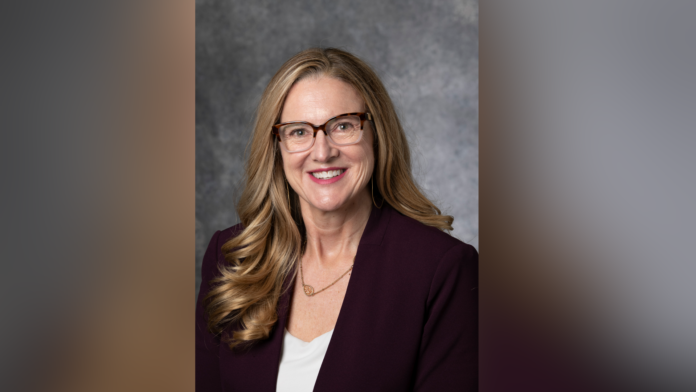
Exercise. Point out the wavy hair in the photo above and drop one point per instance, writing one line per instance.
(263, 255)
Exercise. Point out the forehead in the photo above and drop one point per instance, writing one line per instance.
(317, 99)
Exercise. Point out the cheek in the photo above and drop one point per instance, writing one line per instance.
(367, 159)
(292, 166)
(369, 152)
(288, 160)
(287, 166)
(370, 145)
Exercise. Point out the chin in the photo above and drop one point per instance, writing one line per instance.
(328, 205)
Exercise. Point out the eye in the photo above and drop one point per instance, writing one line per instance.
(343, 126)
(295, 131)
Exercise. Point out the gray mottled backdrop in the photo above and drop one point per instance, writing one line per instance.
(425, 51)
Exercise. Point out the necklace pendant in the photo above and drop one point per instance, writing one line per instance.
(308, 290)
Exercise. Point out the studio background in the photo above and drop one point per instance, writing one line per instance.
(425, 52)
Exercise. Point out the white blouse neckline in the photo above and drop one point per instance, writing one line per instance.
(310, 342)
(300, 362)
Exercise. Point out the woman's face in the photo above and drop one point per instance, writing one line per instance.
(316, 100)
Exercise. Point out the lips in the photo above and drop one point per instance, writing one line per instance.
(327, 174)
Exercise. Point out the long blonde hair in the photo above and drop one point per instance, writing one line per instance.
(263, 255)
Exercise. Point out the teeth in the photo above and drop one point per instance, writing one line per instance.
(325, 175)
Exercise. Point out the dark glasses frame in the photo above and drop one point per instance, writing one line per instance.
(316, 128)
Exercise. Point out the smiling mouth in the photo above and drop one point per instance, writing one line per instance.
(325, 175)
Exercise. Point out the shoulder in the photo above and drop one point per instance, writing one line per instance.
(420, 254)
(411, 235)
(419, 265)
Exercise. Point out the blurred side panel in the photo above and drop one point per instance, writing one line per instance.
(97, 190)
(587, 196)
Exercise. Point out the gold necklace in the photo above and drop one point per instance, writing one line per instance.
(309, 290)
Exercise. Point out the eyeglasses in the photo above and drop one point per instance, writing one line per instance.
(342, 130)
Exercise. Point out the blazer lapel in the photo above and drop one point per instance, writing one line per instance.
(352, 322)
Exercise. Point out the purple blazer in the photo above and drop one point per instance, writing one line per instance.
(409, 320)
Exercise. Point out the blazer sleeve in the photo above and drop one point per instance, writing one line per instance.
(207, 345)
(448, 357)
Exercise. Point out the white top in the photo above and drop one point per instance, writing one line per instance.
(300, 362)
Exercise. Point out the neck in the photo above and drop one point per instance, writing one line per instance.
(334, 236)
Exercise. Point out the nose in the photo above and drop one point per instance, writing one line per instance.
(323, 151)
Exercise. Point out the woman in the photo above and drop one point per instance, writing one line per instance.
(339, 276)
